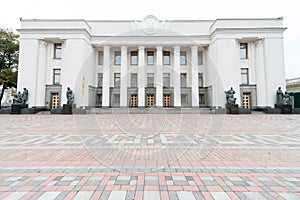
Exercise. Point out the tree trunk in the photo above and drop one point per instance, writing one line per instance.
(2, 92)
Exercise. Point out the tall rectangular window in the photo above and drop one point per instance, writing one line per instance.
(150, 80)
(200, 58)
(166, 82)
(184, 99)
(166, 57)
(200, 80)
(150, 57)
(100, 57)
(117, 58)
(57, 50)
(117, 79)
(134, 58)
(201, 99)
(100, 80)
(243, 50)
(56, 76)
(182, 58)
(245, 76)
(116, 98)
(134, 80)
(183, 80)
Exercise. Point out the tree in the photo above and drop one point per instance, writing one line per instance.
(9, 57)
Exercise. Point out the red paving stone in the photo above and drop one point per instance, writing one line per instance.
(55, 146)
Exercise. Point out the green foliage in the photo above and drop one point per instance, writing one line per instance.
(9, 56)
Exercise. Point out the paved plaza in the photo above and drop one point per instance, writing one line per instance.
(150, 156)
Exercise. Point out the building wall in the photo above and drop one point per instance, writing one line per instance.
(219, 40)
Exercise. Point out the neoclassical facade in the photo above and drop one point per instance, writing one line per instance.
(151, 62)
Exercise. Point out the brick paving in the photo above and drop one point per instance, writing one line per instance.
(150, 156)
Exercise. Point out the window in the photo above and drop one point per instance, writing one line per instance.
(201, 99)
(117, 98)
(134, 58)
(166, 57)
(117, 77)
(182, 57)
(150, 57)
(99, 99)
(166, 82)
(133, 80)
(244, 76)
(150, 80)
(56, 76)
(100, 80)
(183, 80)
(200, 58)
(133, 101)
(100, 57)
(167, 101)
(200, 80)
(184, 99)
(57, 50)
(243, 50)
(117, 58)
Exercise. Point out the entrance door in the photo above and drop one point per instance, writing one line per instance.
(133, 101)
(150, 100)
(54, 100)
(166, 100)
(246, 100)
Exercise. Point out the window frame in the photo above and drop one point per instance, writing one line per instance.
(148, 77)
(186, 99)
(245, 71)
(117, 54)
(115, 80)
(136, 80)
(185, 83)
(131, 57)
(244, 47)
(200, 58)
(149, 56)
(100, 58)
(55, 75)
(200, 77)
(169, 80)
(168, 54)
(183, 53)
(57, 48)
(100, 75)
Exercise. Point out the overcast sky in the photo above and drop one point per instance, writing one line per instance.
(12, 10)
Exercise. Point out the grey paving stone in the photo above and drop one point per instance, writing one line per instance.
(62, 196)
(163, 188)
(104, 195)
(173, 195)
(220, 196)
(254, 195)
(36, 195)
(130, 195)
(185, 195)
(140, 187)
(202, 188)
(198, 195)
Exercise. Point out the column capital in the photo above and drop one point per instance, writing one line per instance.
(123, 48)
(194, 47)
(43, 43)
(260, 42)
(141, 48)
(105, 48)
(176, 48)
(159, 48)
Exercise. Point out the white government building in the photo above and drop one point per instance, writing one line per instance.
(151, 62)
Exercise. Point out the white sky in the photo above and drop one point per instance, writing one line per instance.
(12, 10)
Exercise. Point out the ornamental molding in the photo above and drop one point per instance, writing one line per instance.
(150, 25)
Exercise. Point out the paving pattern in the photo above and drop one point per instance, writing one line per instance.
(150, 156)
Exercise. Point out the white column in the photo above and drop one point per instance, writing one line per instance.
(106, 77)
(260, 74)
(194, 77)
(124, 77)
(141, 77)
(176, 76)
(41, 72)
(159, 77)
